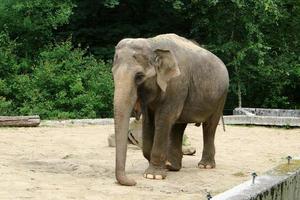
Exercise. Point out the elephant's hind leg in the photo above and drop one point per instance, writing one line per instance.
(209, 130)
(208, 153)
(174, 157)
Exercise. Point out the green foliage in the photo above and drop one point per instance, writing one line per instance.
(99, 27)
(8, 68)
(32, 22)
(111, 3)
(69, 85)
(65, 83)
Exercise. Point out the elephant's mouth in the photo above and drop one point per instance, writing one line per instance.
(137, 110)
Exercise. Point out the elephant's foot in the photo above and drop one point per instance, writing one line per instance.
(155, 172)
(207, 164)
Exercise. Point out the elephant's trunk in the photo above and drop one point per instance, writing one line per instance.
(124, 99)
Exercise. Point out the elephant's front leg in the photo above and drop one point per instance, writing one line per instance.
(148, 134)
(157, 168)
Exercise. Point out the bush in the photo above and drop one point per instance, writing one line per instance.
(32, 23)
(62, 83)
(8, 70)
(69, 84)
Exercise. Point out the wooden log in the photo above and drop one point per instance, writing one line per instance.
(20, 121)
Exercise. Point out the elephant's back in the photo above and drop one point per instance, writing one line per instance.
(186, 51)
(174, 42)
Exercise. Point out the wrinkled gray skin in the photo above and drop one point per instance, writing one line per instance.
(176, 82)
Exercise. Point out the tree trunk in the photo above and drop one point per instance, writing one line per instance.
(239, 93)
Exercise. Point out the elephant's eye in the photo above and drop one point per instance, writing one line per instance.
(139, 77)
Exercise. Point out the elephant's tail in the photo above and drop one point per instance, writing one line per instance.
(223, 123)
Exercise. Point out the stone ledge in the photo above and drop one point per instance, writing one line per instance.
(81, 122)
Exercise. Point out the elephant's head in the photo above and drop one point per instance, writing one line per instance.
(136, 61)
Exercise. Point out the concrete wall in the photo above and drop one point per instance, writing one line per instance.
(262, 116)
(267, 112)
(281, 183)
(262, 120)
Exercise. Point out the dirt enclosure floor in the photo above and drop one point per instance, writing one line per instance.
(75, 162)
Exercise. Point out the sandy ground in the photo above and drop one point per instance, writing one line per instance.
(76, 163)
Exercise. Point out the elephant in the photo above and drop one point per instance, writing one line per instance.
(176, 82)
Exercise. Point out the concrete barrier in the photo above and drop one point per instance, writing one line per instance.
(263, 116)
(281, 183)
(262, 120)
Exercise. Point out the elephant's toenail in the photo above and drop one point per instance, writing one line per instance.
(168, 163)
(159, 177)
(201, 166)
(150, 176)
(209, 167)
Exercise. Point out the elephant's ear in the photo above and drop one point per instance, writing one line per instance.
(166, 67)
